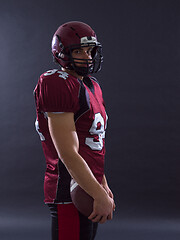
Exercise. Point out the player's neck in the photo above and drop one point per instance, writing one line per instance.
(73, 73)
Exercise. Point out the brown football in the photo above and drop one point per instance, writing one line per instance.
(82, 201)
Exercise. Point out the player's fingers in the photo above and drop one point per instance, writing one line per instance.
(98, 218)
(110, 216)
(103, 219)
(92, 216)
(114, 207)
(111, 195)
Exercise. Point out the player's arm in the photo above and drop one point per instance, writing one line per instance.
(64, 136)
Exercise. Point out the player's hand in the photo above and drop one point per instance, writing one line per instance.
(102, 209)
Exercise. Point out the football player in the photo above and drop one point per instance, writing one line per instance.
(71, 122)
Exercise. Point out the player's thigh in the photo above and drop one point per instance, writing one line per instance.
(88, 229)
(69, 224)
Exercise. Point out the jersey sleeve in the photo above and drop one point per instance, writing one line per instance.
(55, 94)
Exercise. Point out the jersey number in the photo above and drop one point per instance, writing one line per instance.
(97, 129)
(62, 74)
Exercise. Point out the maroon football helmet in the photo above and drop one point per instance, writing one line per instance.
(74, 35)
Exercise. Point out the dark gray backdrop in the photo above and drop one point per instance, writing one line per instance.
(140, 81)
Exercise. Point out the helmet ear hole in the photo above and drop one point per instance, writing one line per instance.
(60, 55)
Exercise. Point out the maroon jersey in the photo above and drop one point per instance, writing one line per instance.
(60, 92)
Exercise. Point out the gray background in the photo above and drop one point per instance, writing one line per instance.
(140, 82)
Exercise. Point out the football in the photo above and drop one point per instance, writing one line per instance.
(82, 201)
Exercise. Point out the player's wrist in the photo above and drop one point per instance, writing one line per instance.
(99, 193)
